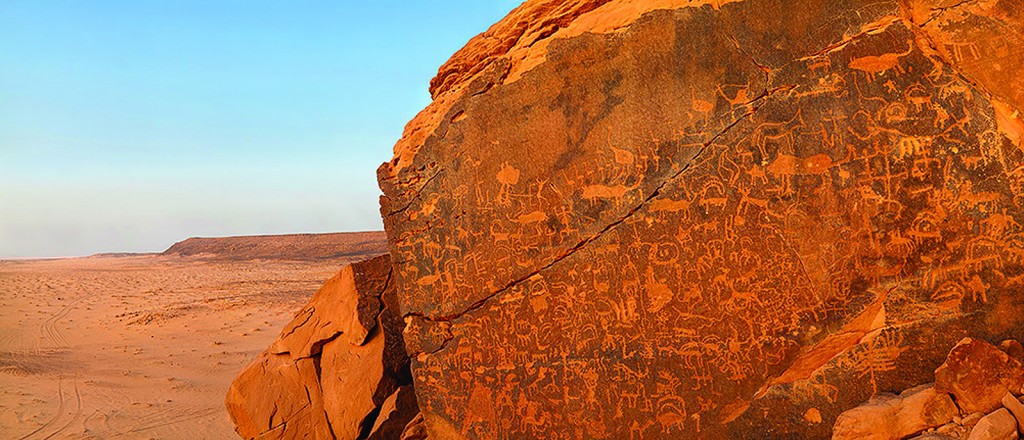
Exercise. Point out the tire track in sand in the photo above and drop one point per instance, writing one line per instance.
(51, 334)
(60, 410)
(78, 413)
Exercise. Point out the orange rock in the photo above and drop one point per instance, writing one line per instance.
(960, 427)
(1016, 408)
(972, 419)
(1013, 348)
(415, 430)
(935, 436)
(277, 396)
(999, 425)
(395, 414)
(333, 366)
(887, 416)
(978, 38)
(703, 219)
(978, 374)
(318, 323)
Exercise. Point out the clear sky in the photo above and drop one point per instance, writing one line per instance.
(129, 125)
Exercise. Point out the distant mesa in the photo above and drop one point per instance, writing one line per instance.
(122, 254)
(341, 245)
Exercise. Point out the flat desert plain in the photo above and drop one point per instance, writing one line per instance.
(138, 347)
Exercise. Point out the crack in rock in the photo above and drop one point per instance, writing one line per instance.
(586, 241)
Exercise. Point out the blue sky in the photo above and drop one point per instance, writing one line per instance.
(129, 125)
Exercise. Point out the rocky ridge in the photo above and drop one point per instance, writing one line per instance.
(351, 246)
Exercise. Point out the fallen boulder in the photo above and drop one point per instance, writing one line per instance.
(337, 371)
(979, 375)
(892, 417)
(999, 425)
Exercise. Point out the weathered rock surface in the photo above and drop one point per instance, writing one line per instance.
(888, 416)
(415, 430)
(973, 374)
(1013, 348)
(682, 219)
(1016, 408)
(395, 414)
(1000, 425)
(978, 374)
(334, 368)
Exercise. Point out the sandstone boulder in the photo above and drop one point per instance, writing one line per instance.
(935, 436)
(1016, 408)
(1000, 425)
(276, 397)
(709, 218)
(1013, 348)
(891, 417)
(979, 374)
(395, 414)
(415, 430)
(334, 368)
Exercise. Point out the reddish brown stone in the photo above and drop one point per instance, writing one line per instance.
(1013, 348)
(1000, 425)
(1016, 408)
(415, 430)
(978, 374)
(277, 395)
(891, 417)
(395, 414)
(980, 38)
(935, 436)
(354, 292)
(333, 366)
(702, 219)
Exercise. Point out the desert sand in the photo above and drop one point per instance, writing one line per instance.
(138, 347)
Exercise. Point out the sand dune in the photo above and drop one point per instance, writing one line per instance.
(137, 347)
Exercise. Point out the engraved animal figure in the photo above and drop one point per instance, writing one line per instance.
(786, 166)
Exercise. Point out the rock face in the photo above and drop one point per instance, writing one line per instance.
(683, 219)
(338, 370)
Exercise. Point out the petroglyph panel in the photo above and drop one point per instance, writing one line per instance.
(681, 230)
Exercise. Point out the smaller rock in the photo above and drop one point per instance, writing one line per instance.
(935, 436)
(978, 374)
(886, 416)
(1013, 348)
(1000, 425)
(1016, 408)
(395, 413)
(813, 415)
(415, 430)
(972, 419)
(953, 430)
